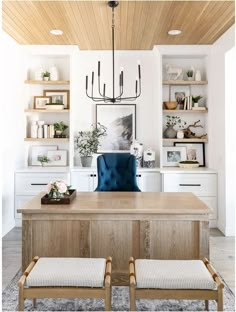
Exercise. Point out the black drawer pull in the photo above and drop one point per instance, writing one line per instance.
(94, 175)
(91, 175)
(138, 175)
(39, 183)
(189, 184)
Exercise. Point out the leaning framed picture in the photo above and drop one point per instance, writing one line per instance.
(57, 158)
(172, 155)
(40, 102)
(59, 97)
(120, 121)
(194, 150)
(39, 151)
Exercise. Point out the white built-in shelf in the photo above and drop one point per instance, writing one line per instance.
(184, 82)
(47, 140)
(32, 110)
(185, 140)
(50, 82)
(185, 111)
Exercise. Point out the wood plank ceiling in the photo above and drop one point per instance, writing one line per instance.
(139, 24)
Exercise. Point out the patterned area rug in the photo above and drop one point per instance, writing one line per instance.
(120, 302)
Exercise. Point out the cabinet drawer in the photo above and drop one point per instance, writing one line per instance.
(32, 184)
(199, 184)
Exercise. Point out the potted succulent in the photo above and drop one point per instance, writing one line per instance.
(172, 121)
(46, 76)
(43, 160)
(195, 100)
(59, 127)
(189, 74)
(86, 143)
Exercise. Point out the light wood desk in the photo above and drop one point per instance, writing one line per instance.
(117, 224)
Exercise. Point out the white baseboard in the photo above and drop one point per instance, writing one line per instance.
(7, 227)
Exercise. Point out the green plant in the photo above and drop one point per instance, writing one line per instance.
(175, 121)
(87, 142)
(46, 74)
(188, 162)
(196, 98)
(43, 159)
(60, 126)
(189, 73)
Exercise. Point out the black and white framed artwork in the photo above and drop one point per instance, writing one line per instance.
(120, 121)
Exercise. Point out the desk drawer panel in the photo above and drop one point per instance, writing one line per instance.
(199, 184)
(31, 184)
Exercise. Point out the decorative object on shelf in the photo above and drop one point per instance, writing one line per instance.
(59, 96)
(189, 164)
(54, 75)
(179, 97)
(43, 160)
(59, 127)
(180, 134)
(173, 72)
(198, 76)
(195, 151)
(172, 121)
(40, 102)
(40, 129)
(38, 151)
(66, 200)
(57, 158)
(34, 130)
(45, 132)
(136, 149)
(86, 143)
(120, 121)
(170, 132)
(46, 76)
(195, 100)
(189, 134)
(190, 74)
(102, 97)
(38, 75)
(172, 155)
(170, 105)
(55, 106)
(149, 158)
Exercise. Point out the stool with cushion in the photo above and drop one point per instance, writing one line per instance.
(116, 173)
(174, 279)
(66, 278)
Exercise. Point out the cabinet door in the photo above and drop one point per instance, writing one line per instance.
(19, 202)
(83, 181)
(211, 202)
(149, 181)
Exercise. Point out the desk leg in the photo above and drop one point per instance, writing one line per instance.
(26, 243)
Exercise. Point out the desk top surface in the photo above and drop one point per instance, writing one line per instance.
(121, 203)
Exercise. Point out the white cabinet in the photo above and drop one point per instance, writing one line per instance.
(85, 180)
(203, 185)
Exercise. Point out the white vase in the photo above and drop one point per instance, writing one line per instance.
(34, 130)
(54, 75)
(136, 149)
(180, 134)
(198, 75)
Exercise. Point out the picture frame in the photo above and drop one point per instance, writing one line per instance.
(40, 150)
(172, 155)
(194, 151)
(59, 96)
(120, 121)
(57, 158)
(41, 101)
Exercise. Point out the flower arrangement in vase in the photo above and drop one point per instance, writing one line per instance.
(172, 121)
(58, 189)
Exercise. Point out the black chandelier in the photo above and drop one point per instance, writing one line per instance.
(102, 96)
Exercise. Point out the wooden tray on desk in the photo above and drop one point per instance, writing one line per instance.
(66, 200)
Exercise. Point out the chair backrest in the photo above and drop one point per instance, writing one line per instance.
(117, 173)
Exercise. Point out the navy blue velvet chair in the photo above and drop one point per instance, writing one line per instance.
(116, 173)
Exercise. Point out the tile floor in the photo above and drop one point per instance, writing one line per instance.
(222, 255)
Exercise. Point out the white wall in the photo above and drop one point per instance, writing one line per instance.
(219, 126)
(11, 123)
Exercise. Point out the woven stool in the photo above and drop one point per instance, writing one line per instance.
(174, 279)
(66, 278)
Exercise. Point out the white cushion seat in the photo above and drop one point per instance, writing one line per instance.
(77, 272)
(173, 274)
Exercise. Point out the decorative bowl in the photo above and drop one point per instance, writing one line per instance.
(170, 105)
(189, 164)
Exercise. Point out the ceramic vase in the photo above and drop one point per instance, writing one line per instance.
(136, 149)
(180, 134)
(170, 132)
(86, 161)
(54, 75)
(198, 75)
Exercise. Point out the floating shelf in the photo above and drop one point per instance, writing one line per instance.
(184, 111)
(47, 140)
(184, 82)
(31, 110)
(50, 82)
(185, 140)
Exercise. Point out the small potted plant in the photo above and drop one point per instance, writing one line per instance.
(172, 121)
(46, 76)
(59, 127)
(86, 143)
(189, 74)
(195, 100)
(43, 160)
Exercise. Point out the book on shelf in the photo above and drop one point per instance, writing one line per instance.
(188, 103)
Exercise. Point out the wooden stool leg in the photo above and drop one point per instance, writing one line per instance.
(34, 302)
(220, 300)
(206, 305)
(21, 299)
(108, 298)
(132, 299)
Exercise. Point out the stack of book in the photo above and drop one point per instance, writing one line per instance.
(188, 104)
(48, 132)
